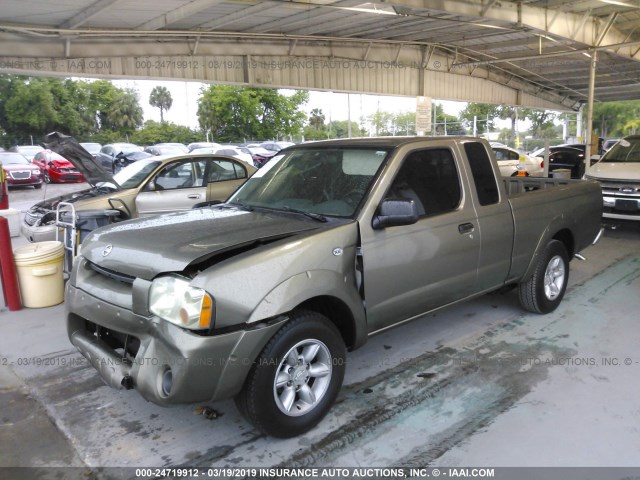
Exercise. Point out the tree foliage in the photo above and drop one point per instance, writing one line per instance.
(615, 119)
(33, 107)
(160, 97)
(157, 132)
(236, 113)
(485, 115)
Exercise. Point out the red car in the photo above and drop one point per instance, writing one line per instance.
(20, 172)
(56, 169)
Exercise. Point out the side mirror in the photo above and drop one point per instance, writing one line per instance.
(394, 212)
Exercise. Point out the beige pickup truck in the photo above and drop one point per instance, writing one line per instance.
(260, 298)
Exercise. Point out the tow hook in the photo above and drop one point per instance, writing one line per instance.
(579, 256)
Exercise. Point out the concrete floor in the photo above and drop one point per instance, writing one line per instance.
(478, 384)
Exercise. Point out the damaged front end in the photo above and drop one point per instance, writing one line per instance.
(39, 223)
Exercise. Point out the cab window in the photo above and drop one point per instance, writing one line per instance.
(429, 178)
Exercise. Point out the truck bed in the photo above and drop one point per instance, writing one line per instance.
(564, 201)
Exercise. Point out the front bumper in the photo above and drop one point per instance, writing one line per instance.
(38, 233)
(130, 350)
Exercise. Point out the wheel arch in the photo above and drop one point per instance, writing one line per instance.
(338, 313)
(566, 237)
(563, 235)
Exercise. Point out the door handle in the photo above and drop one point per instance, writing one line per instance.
(194, 195)
(465, 228)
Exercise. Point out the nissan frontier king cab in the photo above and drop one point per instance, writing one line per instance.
(260, 298)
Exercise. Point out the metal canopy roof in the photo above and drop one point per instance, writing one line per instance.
(542, 48)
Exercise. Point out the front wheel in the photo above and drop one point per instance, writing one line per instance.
(296, 378)
(543, 292)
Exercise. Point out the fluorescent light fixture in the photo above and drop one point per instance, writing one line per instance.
(371, 8)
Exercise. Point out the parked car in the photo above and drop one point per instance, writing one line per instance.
(146, 187)
(608, 143)
(166, 149)
(92, 147)
(275, 146)
(565, 157)
(123, 160)
(260, 155)
(56, 169)
(108, 153)
(19, 171)
(28, 151)
(230, 150)
(618, 172)
(194, 145)
(323, 247)
(509, 161)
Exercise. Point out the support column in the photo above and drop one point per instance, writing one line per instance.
(592, 86)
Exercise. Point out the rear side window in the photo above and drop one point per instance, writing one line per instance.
(483, 176)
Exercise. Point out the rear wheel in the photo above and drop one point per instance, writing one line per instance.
(297, 377)
(543, 292)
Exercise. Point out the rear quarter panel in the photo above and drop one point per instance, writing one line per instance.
(574, 206)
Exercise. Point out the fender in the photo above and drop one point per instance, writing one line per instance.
(557, 224)
(312, 284)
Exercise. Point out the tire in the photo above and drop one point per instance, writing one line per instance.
(282, 396)
(38, 186)
(543, 292)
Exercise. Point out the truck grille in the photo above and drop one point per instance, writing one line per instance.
(120, 277)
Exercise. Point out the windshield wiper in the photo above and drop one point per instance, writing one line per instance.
(243, 206)
(315, 216)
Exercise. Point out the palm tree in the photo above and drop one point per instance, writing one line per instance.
(161, 98)
(125, 113)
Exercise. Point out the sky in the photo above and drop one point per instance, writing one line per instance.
(334, 105)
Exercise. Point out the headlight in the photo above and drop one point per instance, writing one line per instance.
(173, 299)
(36, 171)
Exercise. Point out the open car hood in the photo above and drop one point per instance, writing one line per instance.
(70, 149)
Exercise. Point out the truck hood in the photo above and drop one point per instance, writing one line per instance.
(184, 238)
(616, 171)
(80, 158)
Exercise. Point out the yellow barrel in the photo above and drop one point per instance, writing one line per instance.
(39, 267)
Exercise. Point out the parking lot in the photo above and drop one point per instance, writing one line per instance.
(478, 384)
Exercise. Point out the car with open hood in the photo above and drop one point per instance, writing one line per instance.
(147, 187)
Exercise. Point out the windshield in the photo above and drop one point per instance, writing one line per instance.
(327, 181)
(10, 159)
(92, 148)
(30, 150)
(626, 150)
(134, 174)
